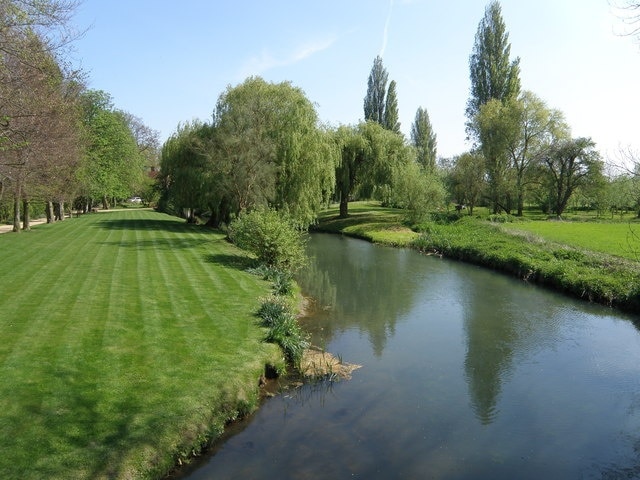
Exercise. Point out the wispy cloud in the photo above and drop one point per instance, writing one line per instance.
(385, 32)
(267, 61)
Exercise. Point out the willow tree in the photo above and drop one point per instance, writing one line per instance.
(276, 152)
(184, 168)
(369, 157)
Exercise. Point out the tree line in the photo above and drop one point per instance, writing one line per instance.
(265, 146)
(62, 145)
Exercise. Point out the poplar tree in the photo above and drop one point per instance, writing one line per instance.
(424, 140)
(493, 75)
(391, 117)
(374, 101)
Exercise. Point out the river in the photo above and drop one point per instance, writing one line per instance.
(466, 374)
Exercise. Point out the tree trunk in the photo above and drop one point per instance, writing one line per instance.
(49, 212)
(26, 216)
(16, 212)
(105, 202)
(61, 210)
(344, 206)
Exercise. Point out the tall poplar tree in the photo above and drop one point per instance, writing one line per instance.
(493, 74)
(424, 140)
(374, 101)
(391, 117)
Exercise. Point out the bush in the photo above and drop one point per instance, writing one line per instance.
(284, 329)
(272, 237)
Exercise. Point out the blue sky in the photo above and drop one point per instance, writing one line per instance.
(168, 61)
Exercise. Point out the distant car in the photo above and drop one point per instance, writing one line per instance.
(135, 200)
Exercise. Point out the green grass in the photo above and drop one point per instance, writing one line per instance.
(615, 238)
(128, 339)
(369, 221)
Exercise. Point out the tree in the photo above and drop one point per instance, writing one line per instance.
(493, 75)
(40, 131)
(468, 180)
(424, 140)
(415, 189)
(537, 128)
(496, 125)
(270, 138)
(571, 164)
(374, 101)
(368, 156)
(514, 135)
(184, 170)
(391, 117)
(113, 166)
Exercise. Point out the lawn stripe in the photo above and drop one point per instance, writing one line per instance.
(123, 347)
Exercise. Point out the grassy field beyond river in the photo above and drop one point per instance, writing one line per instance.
(128, 338)
(593, 261)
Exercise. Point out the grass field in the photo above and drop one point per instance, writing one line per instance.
(128, 338)
(615, 238)
(369, 221)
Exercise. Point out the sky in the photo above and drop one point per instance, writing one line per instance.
(167, 61)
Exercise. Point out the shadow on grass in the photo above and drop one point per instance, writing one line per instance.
(238, 262)
(160, 243)
(149, 224)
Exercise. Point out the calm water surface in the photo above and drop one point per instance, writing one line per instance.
(467, 374)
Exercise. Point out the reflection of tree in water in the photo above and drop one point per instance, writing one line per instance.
(359, 285)
(503, 323)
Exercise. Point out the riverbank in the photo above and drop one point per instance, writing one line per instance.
(123, 351)
(593, 276)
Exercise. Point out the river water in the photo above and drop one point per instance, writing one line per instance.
(466, 374)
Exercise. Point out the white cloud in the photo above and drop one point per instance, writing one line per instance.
(267, 61)
(385, 32)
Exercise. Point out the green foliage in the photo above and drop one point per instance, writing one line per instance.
(270, 150)
(493, 75)
(113, 166)
(416, 190)
(424, 140)
(391, 115)
(374, 101)
(283, 328)
(272, 237)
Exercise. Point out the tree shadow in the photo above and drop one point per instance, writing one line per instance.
(167, 225)
(238, 262)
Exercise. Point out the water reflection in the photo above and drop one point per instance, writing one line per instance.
(502, 328)
(363, 287)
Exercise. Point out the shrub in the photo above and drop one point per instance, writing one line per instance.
(272, 237)
(283, 328)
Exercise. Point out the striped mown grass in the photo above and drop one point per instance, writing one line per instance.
(128, 339)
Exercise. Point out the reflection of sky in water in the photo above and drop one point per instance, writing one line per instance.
(466, 374)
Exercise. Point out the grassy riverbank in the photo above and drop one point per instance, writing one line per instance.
(129, 338)
(587, 270)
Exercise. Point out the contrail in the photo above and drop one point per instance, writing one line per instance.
(385, 33)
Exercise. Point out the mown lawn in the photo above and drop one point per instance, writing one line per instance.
(128, 338)
(369, 221)
(615, 238)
